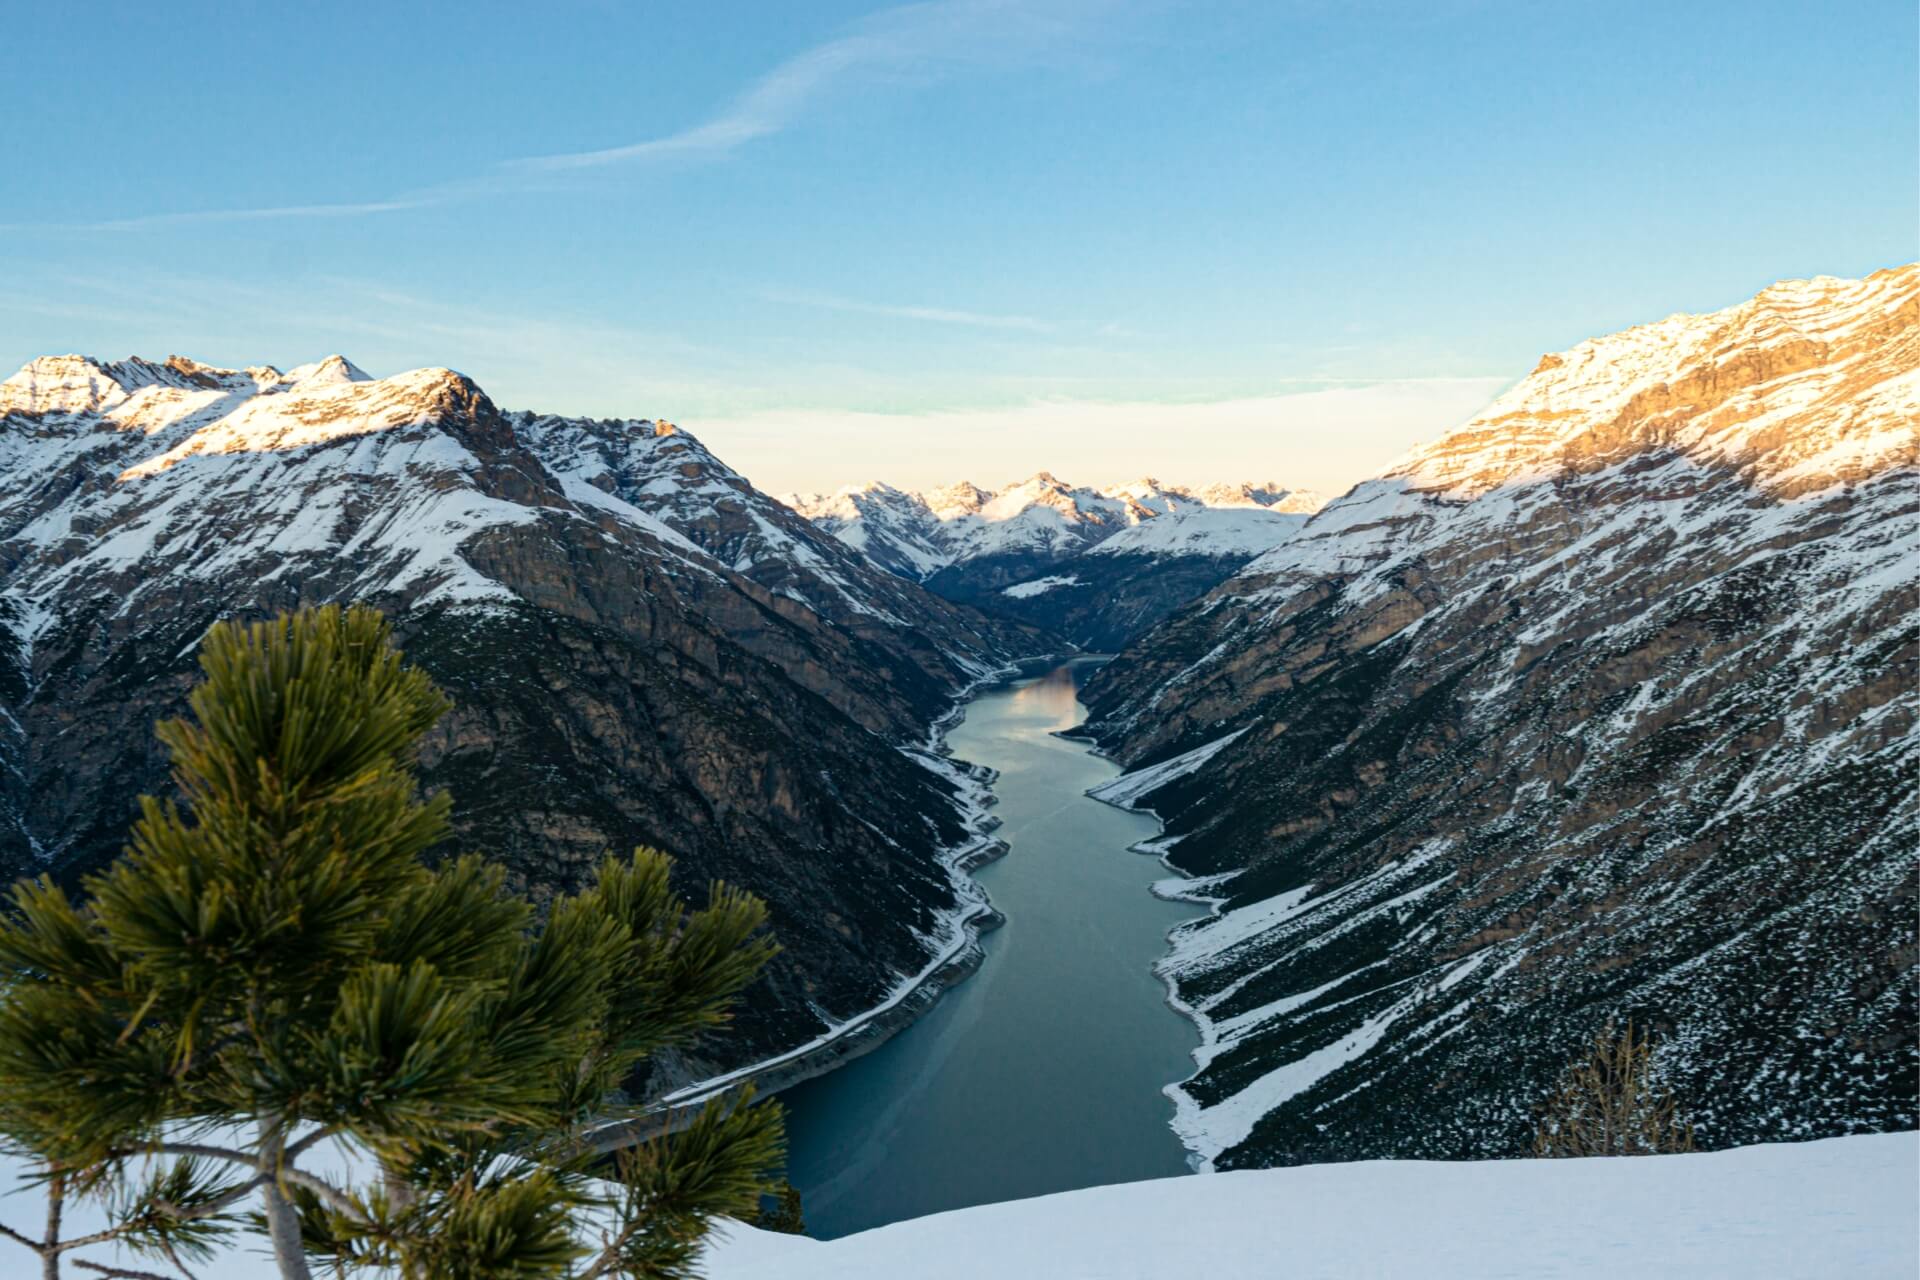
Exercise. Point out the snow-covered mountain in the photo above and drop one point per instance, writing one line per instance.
(1602, 706)
(1040, 521)
(1023, 551)
(641, 647)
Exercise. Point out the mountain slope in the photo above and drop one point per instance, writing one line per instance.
(1601, 706)
(1027, 552)
(635, 656)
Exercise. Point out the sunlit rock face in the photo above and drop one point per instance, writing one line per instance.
(1602, 706)
(642, 648)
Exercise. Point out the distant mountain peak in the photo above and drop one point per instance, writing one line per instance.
(1769, 386)
(70, 384)
(1096, 564)
(334, 369)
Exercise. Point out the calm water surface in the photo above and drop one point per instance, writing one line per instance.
(1042, 1072)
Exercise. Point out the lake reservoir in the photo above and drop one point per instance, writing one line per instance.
(1043, 1071)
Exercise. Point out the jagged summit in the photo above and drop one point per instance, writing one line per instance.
(922, 533)
(1029, 548)
(308, 405)
(334, 369)
(87, 384)
(1268, 494)
(1794, 387)
(317, 452)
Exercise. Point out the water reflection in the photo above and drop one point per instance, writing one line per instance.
(1051, 702)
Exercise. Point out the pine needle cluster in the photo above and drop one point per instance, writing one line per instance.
(272, 968)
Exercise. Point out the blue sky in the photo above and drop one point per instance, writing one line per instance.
(845, 240)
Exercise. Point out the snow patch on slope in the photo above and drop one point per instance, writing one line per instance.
(1039, 586)
(1125, 790)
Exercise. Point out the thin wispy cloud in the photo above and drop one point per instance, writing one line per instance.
(933, 315)
(913, 45)
(917, 43)
(350, 209)
(764, 109)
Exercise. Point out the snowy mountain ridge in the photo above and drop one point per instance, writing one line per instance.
(297, 455)
(1600, 706)
(1809, 385)
(919, 534)
(1096, 566)
(641, 647)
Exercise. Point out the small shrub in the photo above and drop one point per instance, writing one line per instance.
(1610, 1105)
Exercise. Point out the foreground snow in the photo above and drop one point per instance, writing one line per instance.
(1841, 1207)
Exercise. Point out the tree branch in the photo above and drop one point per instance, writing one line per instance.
(214, 1205)
(120, 1272)
(13, 1235)
(188, 1149)
(334, 1198)
(611, 1252)
(174, 1258)
(306, 1144)
(78, 1242)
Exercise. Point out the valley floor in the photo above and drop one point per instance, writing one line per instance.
(1839, 1207)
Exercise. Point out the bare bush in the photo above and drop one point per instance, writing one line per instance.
(1610, 1104)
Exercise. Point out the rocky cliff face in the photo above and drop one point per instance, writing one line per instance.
(1096, 566)
(1601, 707)
(641, 647)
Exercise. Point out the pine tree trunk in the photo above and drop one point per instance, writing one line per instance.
(283, 1220)
(283, 1226)
(56, 1202)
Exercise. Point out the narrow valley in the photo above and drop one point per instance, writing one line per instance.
(1043, 1071)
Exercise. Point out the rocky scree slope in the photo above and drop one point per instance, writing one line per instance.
(641, 647)
(1097, 566)
(1603, 706)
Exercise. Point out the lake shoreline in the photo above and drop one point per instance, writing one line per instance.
(1169, 890)
(959, 960)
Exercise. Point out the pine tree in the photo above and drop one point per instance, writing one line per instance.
(272, 967)
(1610, 1105)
